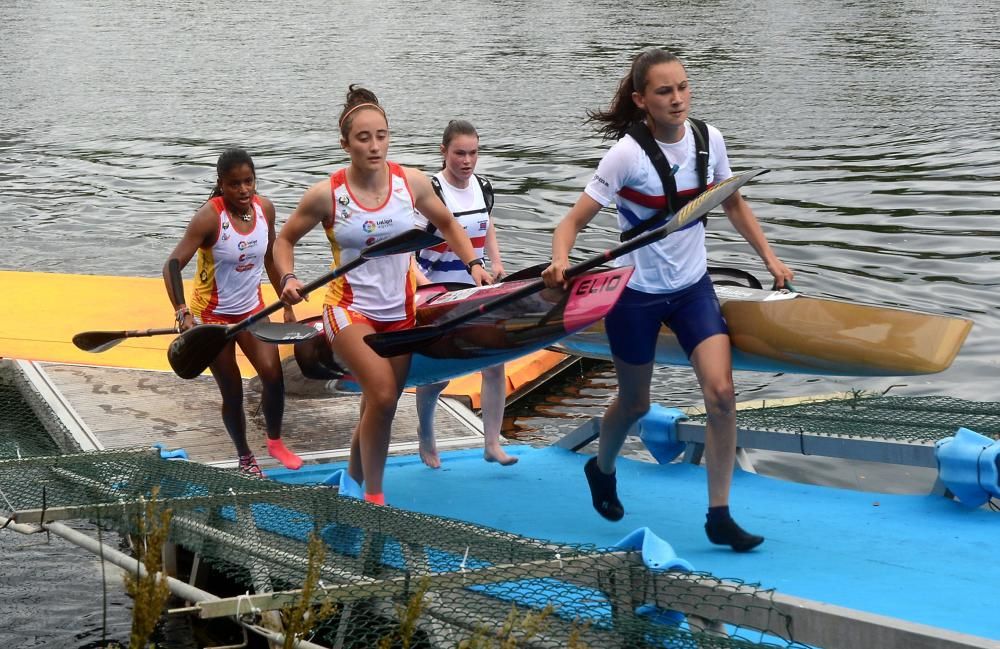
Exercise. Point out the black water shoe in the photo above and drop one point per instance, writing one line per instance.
(604, 491)
(727, 532)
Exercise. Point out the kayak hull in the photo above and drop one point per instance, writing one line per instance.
(523, 327)
(777, 331)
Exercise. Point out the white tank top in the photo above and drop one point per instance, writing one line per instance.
(227, 281)
(381, 289)
(440, 263)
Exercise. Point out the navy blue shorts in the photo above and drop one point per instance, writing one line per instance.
(692, 313)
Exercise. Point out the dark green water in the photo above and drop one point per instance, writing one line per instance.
(877, 120)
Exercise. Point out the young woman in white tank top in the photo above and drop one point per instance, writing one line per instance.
(463, 195)
(366, 202)
(232, 234)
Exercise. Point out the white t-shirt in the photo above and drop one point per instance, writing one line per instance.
(679, 260)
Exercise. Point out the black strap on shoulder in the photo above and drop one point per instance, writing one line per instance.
(701, 151)
(436, 184)
(488, 196)
(641, 134)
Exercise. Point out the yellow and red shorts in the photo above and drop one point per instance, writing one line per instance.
(225, 318)
(337, 318)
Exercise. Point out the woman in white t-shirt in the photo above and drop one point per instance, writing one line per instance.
(465, 194)
(670, 284)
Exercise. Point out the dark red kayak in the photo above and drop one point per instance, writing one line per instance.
(517, 329)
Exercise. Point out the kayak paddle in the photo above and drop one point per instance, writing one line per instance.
(102, 341)
(194, 350)
(405, 341)
(270, 332)
(531, 272)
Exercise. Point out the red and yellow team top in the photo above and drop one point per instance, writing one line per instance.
(45, 310)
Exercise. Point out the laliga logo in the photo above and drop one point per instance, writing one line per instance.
(369, 227)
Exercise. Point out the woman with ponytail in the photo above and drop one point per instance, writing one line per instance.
(670, 285)
(232, 234)
(368, 201)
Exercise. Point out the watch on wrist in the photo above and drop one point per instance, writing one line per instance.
(478, 261)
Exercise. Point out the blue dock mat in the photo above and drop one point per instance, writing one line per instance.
(924, 559)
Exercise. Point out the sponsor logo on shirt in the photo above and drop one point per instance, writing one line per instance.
(369, 226)
(246, 245)
(602, 181)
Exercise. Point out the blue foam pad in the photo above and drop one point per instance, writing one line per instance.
(967, 465)
(658, 431)
(346, 485)
(657, 554)
(165, 454)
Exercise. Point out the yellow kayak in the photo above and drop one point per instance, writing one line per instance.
(779, 331)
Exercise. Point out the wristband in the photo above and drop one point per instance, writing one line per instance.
(478, 261)
(182, 312)
(284, 280)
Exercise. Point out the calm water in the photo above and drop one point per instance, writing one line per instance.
(875, 119)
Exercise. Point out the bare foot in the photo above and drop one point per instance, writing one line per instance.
(497, 454)
(429, 453)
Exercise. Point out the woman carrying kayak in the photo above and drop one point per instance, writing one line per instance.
(670, 284)
(233, 233)
(470, 198)
(368, 201)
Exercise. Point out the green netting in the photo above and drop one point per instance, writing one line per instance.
(22, 432)
(465, 585)
(913, 419)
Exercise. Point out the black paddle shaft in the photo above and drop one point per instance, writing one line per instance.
(194, 350)
(395, 343)
(408, 241)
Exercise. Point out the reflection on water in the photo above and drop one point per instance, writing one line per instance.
(875, 119)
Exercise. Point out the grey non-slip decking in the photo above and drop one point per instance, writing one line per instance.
(124, 408)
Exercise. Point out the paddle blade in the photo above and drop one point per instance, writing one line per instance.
(279, 333)
(193, 351)
(98, 341)
(531, 272)
(409, 241)
(708, 200)
(397, 343)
